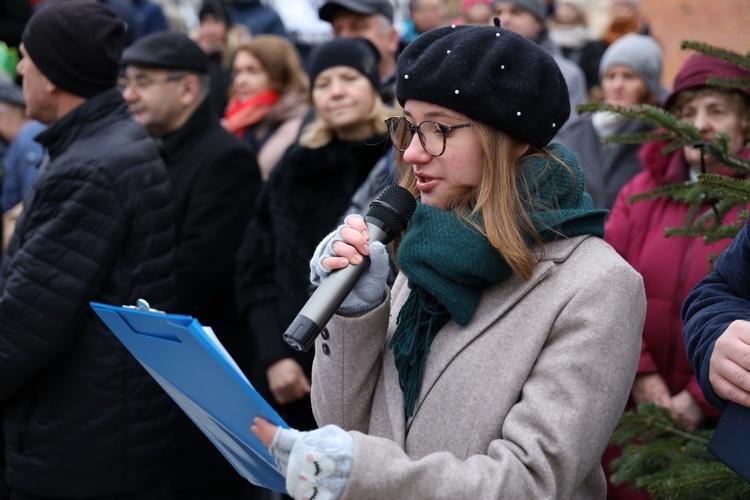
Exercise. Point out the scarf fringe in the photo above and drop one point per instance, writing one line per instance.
(419, 321)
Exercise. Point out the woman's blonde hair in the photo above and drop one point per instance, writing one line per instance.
(318, 133)
(281, 61)
(500, 197)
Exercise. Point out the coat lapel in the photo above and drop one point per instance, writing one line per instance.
(452, 339)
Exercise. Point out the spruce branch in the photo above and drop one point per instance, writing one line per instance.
(669, 461)
(665, 190)
(638, 137)
(730, 186)
(668, 127)
(650, 115)
(726, 55)
(729, 83)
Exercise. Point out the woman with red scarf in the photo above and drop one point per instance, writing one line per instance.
(270, 97)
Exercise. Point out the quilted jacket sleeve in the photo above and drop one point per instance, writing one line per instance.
(71, 231)
(716, 301)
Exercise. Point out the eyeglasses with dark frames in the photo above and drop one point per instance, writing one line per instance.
(143, 82)
(432, 135)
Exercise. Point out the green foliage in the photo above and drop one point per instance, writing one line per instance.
(669, 461)
(8, 60)
(726, 55)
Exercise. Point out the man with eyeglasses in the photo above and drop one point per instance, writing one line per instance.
(81, 417)
(214, 178)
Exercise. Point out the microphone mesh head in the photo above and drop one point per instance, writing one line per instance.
(392, 210)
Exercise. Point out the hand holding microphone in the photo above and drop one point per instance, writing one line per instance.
(350, 245)
(387, 217)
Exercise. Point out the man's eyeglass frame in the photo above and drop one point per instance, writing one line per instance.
(144, 83)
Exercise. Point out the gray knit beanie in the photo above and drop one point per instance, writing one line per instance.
(640, 52)
(538, 8)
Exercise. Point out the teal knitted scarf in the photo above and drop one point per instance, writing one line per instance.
(449, 263)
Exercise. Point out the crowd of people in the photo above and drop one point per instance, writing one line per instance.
(205, 156)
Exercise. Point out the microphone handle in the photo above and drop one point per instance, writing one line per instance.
(327, 298)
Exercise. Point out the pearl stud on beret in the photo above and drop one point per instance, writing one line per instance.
(490, 74)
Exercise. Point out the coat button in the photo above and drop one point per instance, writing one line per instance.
(325, 334)
(326, 349)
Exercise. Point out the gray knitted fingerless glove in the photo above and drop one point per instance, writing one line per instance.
(281, 446)
(370, 290)
(316, 463)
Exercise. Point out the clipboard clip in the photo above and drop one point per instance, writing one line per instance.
(142, 305)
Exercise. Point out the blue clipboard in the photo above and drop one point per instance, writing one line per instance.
(192, 366)
(729, 442)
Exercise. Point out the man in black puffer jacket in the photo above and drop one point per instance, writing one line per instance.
(81, 417)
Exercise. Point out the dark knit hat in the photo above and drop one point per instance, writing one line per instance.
(696, 71)
(167, 50)
(357, 53)
(363, 7)
(489, 74)
(77, 45)
(216, 8)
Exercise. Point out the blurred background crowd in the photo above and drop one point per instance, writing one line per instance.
(269, 87)
(720, 23)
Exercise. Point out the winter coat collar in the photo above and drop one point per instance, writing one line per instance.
(60, 134)
(496, 302)
(175, 147)
(665, 169)
(672, 168)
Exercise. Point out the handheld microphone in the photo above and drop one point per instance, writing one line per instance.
(386, 218)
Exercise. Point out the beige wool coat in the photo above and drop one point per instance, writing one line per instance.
(518, 404)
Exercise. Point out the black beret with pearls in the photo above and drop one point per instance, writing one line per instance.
(490, 74)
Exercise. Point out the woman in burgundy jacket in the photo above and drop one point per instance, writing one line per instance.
(672, 266)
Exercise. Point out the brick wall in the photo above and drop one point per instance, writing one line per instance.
(723, 23)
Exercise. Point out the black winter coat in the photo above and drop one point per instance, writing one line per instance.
(215, 179)
(302, 201)
(81, 417)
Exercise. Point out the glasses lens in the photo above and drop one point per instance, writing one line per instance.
(432, 138)
(400, 133)
(122, 84)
